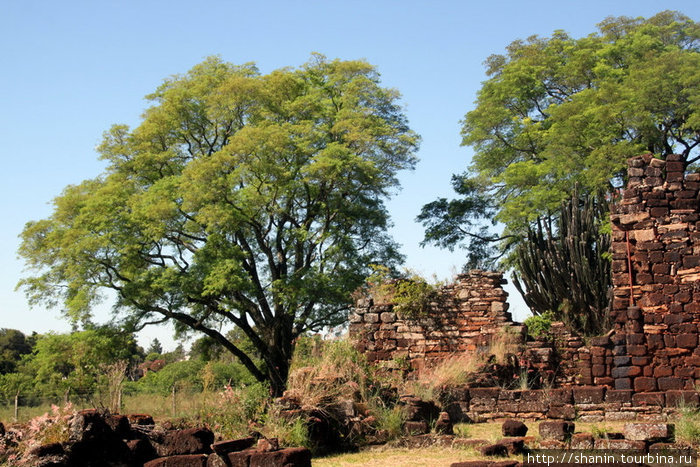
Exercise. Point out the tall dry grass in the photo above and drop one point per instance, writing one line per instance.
(463, 367)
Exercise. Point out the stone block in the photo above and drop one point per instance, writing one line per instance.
(682, 398)
(234, 445)
(688, 341)
(494, 450)
(187, 441)
(670, 383)
(388, 317)
(559, 396)
(645, 399)
(557, 430)
(296, 457)
(563, 412)
(514, 446)
(644, 384)
(582, 441)
(589, 395)
(648, 431)
(620, 444)
(614, 396)
(623, 383)
(513, 428)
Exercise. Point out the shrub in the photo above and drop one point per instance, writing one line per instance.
(184, 374)
(539, 325)
(231, 412)
(410, 293)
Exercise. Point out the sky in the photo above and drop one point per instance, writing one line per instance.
(74, 68)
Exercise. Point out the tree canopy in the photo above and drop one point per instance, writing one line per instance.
(246, 199)
(561, 112)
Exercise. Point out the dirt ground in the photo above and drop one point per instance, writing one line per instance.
(386, 456)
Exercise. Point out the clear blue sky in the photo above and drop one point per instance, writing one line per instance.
(71, 69)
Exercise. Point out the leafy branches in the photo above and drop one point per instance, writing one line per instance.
(241, 199)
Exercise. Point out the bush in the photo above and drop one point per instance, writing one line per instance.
(539, 325)
(410, 293)
(185, 375)
(217, 375)
(231, 412)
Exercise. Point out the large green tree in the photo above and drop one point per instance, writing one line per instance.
(241, 199)
(561, 112)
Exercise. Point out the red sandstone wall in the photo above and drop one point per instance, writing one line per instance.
(463, 319)
(655, 346)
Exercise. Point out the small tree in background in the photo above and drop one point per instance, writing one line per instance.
(155, 347)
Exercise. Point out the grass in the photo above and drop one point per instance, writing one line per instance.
(688, 425)
(462, 368)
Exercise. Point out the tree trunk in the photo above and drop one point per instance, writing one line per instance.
(16, 406)
(278, 374)
(174, 407)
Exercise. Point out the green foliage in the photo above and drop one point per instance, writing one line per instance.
(206, 349)
(73, 362)
(410, 293)
(687, 425)
(539, 325)
(215, 375)
(462, 430)
(13, 345)
(564, 268)
(155, 347)
(559, 112)
(390, 419)
(231, 411)
(245, 199)
(14, 384)
(184, 375)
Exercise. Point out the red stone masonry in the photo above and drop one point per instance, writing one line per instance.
(464, 318)
(656, 305)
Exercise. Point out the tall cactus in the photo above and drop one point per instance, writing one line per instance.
(566, 269)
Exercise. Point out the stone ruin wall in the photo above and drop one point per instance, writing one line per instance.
(464, 318)
(651, 358)
(656, 304)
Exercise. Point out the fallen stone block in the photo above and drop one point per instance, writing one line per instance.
(620, 444)
(582, 441)
(444, 424)
(233, 445)
(416, 428)
(513, 428)
(557, 430)
(494, 450)
(140, 419)
(649, 431)
(290, 457)
(188, 441)
(513, 445)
